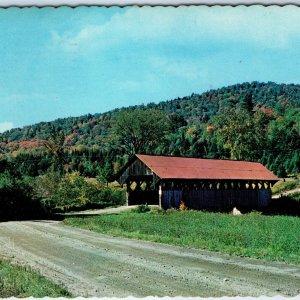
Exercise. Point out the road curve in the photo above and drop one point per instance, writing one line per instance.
(285, 193)
(91, 264)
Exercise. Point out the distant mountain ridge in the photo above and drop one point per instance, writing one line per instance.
(91, 130)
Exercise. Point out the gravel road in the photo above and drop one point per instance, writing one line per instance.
(286, 193)
(90, 264)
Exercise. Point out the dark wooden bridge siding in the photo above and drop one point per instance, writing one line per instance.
(216, 199)
(145, 189)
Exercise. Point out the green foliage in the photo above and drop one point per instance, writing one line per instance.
(142, 208)
(72, 191)
(55, 145)
(284, 142)
(139, 131)
(108, 196)
(6, 181)
(295, 196)
(16, 198)
(105, 172)
(240, 133)
(157, 210)
(21, 282)
(253, 235)
(44, 187)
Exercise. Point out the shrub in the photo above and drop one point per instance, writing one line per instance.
(142, 208)
(171, 210)
(44, 189)
(73, 191)
(108, 196)
(295, 196)
(157, 210)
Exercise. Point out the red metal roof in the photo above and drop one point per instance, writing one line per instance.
(167, 167)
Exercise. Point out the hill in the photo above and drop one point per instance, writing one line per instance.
(199, 127)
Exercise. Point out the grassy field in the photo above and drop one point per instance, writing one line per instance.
(16, 281)
(252, 235)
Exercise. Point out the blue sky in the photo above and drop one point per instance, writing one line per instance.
(68, 62)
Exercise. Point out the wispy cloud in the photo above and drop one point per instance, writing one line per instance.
(187, 68)
(6, 126)
(270, 27)
(84, 38)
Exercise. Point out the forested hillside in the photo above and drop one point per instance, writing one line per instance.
(250, 121)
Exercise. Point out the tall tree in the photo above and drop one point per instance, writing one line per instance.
(55, 146)
(284, 141)
(240, 133)
(247, 102)
(139, 131)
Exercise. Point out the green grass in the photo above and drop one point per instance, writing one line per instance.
(253, 235)
(17, 281)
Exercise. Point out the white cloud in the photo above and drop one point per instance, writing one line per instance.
(73, 42)
(271, 27)
(6, 126)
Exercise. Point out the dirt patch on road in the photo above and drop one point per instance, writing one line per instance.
(286, 193)
(90, 264)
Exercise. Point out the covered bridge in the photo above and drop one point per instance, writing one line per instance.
(199, 183)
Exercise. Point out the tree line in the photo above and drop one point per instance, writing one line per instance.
(250, 121)
(66, 164)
